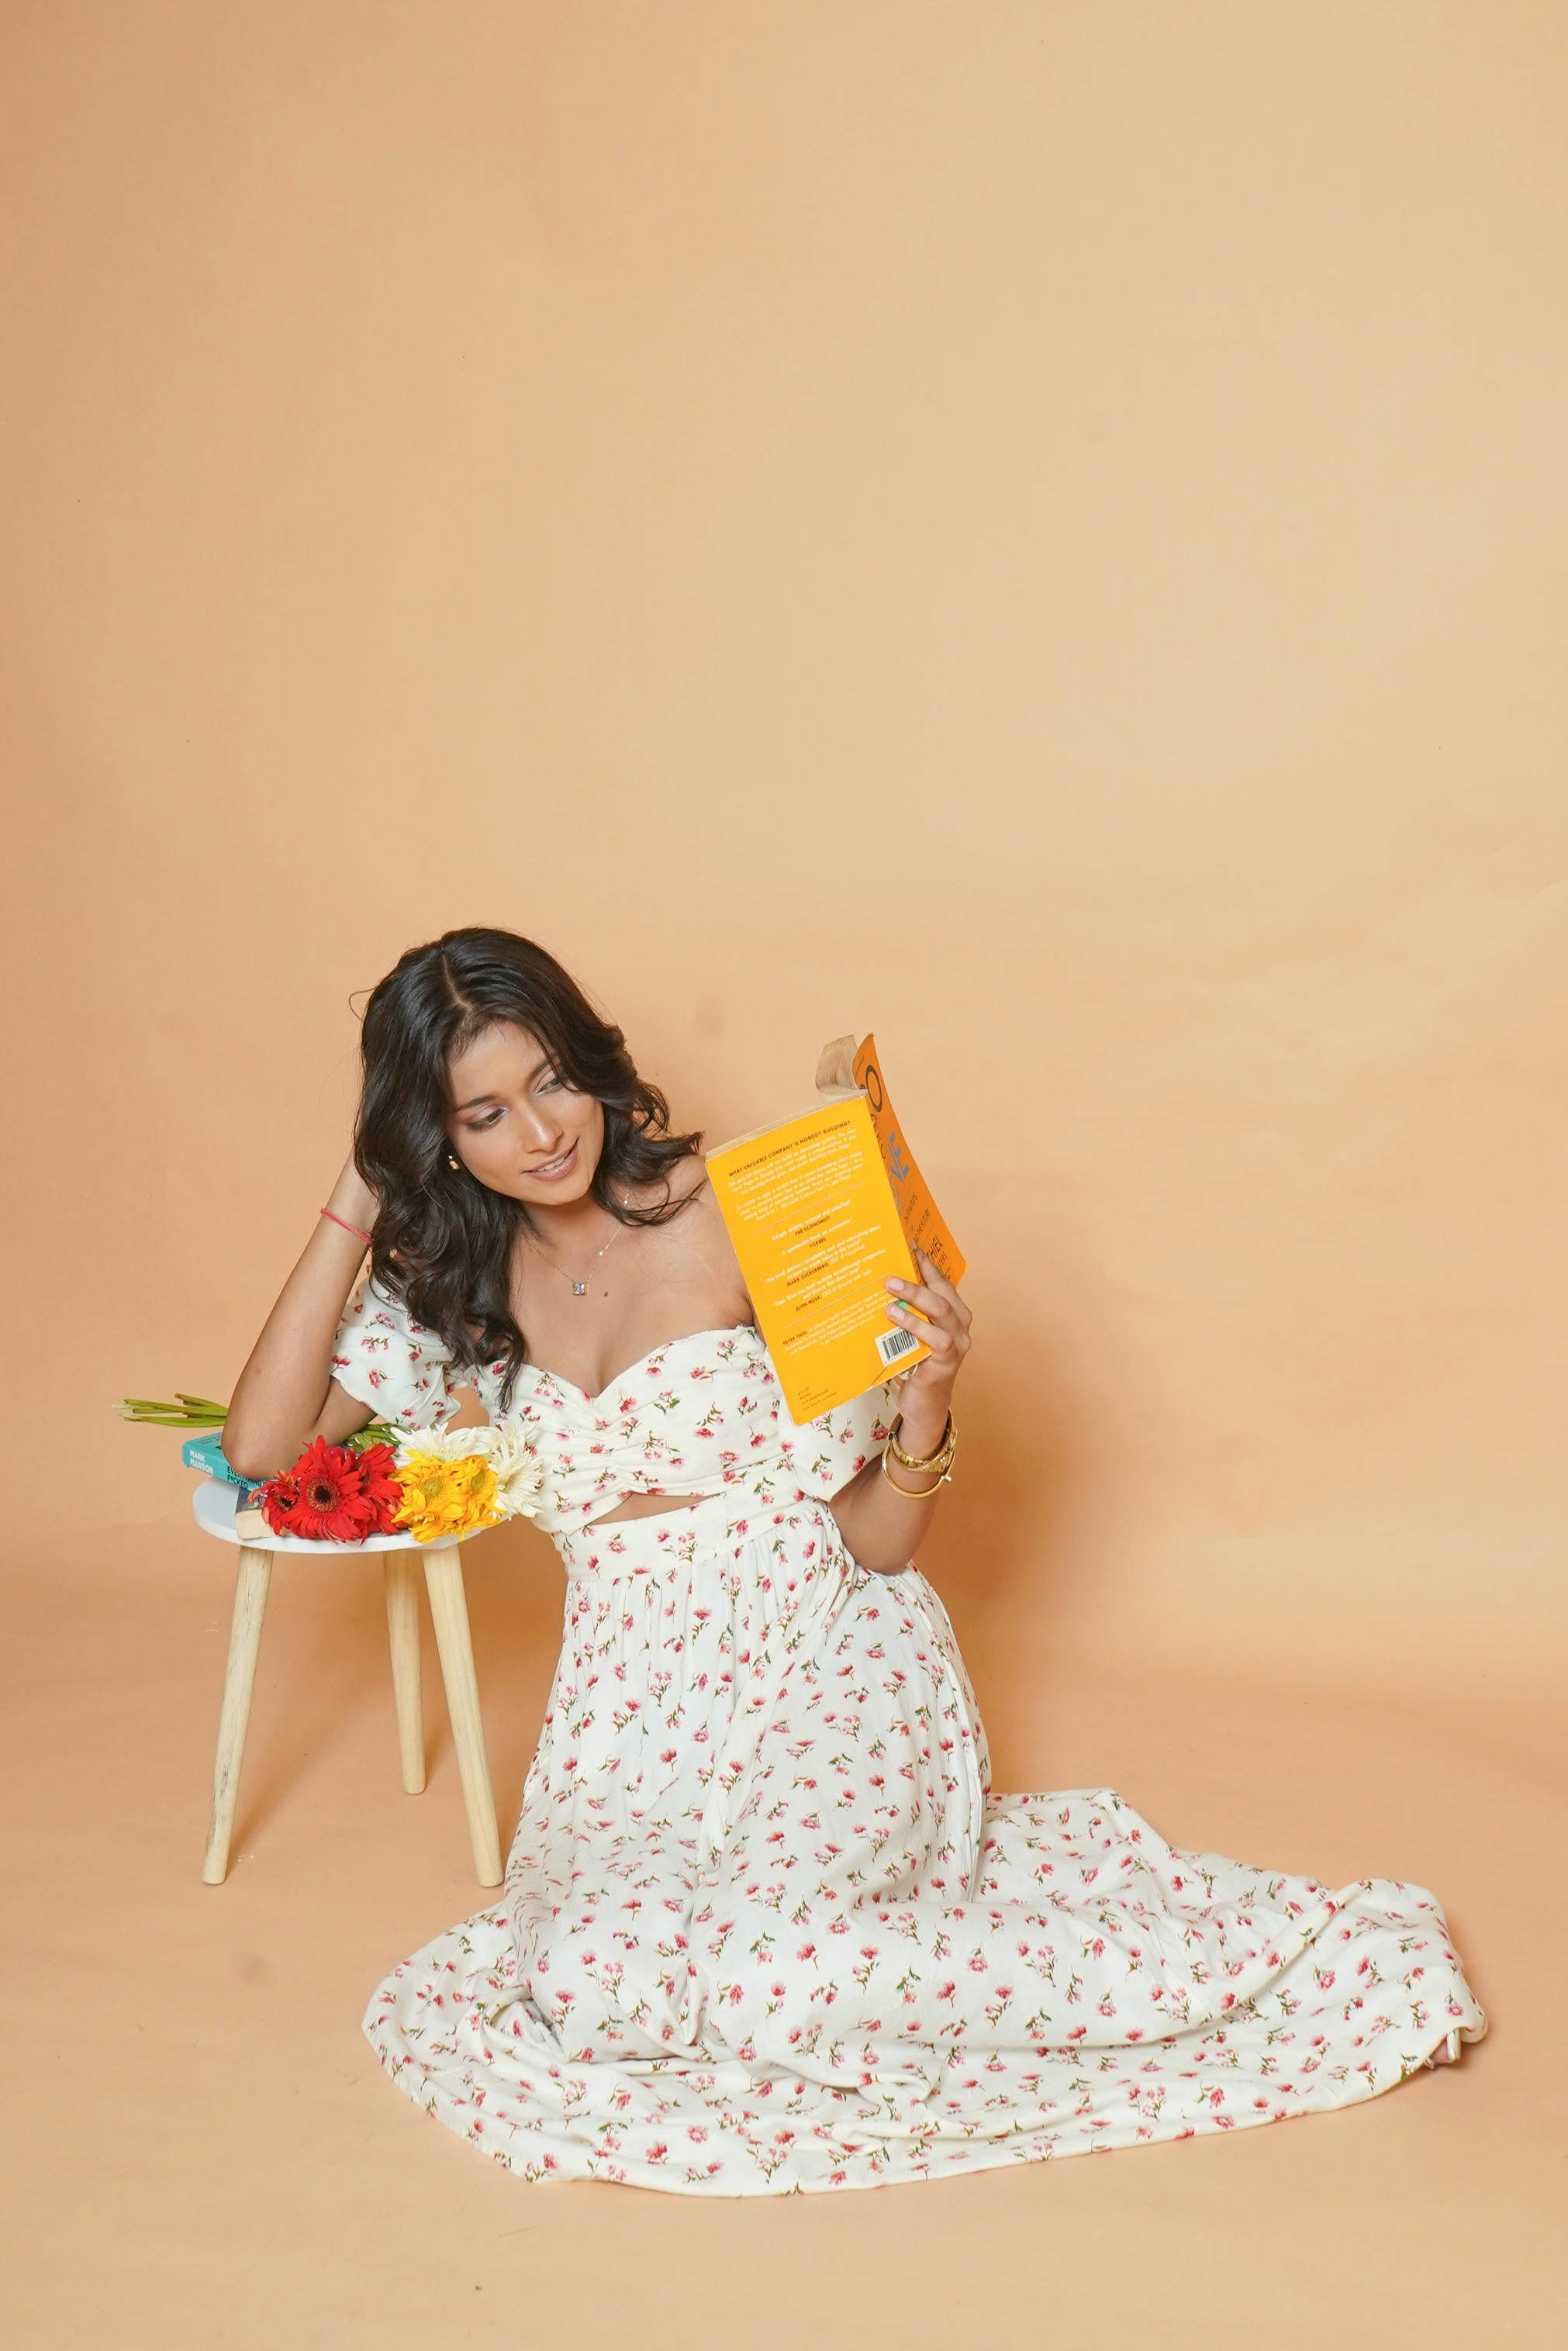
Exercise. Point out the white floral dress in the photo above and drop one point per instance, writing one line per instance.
(766, 1925)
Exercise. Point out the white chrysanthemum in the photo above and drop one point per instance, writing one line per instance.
(518, 1478)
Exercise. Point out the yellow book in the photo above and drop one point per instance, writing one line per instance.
(820, 1216)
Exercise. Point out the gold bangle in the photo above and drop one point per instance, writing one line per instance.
(942, 1459)
(908, 1496)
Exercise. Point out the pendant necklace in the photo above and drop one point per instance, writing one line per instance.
(579, 1289)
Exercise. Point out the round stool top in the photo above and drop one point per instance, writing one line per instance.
(214, 1504)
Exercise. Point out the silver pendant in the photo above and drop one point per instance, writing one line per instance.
(579, 1289)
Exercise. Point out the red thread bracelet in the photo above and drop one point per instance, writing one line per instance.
(337, 1219)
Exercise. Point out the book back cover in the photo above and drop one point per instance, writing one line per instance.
(812, 1217)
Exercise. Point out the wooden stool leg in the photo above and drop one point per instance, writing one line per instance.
(245, 1644)
(449, 1612)
(403, 1628)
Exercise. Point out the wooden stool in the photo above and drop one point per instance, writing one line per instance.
(214, 1504)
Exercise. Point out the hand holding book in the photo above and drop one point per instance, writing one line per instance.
(925, 1392)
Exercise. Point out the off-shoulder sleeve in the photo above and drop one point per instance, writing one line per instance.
(827, 1453)
(387, 1360)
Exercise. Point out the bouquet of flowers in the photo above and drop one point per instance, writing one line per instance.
(380, 1482)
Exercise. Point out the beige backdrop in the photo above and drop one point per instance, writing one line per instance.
(1036, 527)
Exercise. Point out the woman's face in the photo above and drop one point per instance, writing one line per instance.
(516, 1127)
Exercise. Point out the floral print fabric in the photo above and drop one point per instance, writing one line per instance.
(766, 1926)
(696, 1414)
(385, 1359)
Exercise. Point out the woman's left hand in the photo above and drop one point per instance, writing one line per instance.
(926, 1392)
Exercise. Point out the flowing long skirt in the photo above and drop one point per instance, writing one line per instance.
(766, 1926)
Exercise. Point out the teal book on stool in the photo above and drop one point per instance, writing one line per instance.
(215, 1503)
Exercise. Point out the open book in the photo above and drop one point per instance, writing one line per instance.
(822, 1210)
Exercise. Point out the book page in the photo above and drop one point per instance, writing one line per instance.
(812, 1215)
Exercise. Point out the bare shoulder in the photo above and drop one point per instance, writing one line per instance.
(688, 1181)
(699, 1208)
(678, 1195)
(696, 1235)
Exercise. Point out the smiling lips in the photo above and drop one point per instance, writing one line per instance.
(552, 1170)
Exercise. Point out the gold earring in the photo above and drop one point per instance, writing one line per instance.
(456, 1165)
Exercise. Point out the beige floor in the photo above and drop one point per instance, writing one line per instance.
(201, 2150)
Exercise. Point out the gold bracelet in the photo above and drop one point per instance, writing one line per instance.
(909, 1496)
(942, 1459)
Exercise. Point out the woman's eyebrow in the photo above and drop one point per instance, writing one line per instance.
(543, 1062)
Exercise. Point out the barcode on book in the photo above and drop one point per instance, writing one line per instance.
(893, 1343)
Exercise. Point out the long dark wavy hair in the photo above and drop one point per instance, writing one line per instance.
(442, 1243)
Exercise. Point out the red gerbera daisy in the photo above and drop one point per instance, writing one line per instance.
(381, 1487)
(322, 1498)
